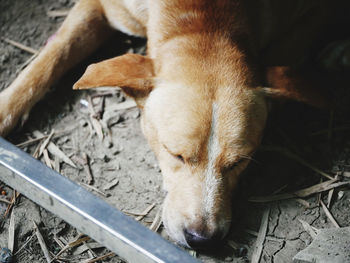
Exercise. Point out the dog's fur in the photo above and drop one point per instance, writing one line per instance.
(199, 87)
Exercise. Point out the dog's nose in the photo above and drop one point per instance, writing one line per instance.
(198, 240)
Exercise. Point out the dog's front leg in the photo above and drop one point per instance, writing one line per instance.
(82, 32)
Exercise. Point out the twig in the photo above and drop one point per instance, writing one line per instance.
(82, 249)
(145, 212)
(319, 195)
(94, 120)
(31, 141)
(70, 245)
(296, 158)
(57, 164)
(53, 149)
(308, 228)
(29, 60)
(59, 242)
(47, 158)
(87, 168)
(5, 201)
(60, 259)
(11, 240)
(106, 93)
(329, 215)
(128, 104)
(36, 152)
(42, 243)
(329, 198)
(20, 46)
(13, 201)
(90, 251)
(101, 105)
(330, 195)
(111, 254)
(39, 138)
(45, 143)
(140, 216)
(58, 13)
(24, 245)
(157, 222)
(301, 193)
(261, 237)
(97, 126)
(254, 233)
(319, 188)
(303, 202)
(107, 131)
(112, 184)
(95, 189)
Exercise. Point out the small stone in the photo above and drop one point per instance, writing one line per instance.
(5, 255)
(118, 151)
(83, 123)
(108, 143)
(106, 159)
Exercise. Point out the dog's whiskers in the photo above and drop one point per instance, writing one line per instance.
(248, 158)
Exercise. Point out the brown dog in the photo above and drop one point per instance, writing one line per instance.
(199, 88)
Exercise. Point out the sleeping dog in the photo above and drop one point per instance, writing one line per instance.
(203, 87)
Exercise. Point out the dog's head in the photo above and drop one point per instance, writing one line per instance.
(204, 121)
(203, 142)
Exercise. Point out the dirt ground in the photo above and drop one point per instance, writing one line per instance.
(317, 138)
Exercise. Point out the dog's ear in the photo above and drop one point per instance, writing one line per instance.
(133, 73)
(287, 83)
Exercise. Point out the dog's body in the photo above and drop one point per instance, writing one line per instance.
(203, 113)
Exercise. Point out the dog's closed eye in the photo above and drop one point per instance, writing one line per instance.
(177, 156)
(234, 165)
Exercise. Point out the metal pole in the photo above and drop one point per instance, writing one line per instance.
(83, 210)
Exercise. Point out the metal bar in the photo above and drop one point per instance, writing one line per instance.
(83, 210)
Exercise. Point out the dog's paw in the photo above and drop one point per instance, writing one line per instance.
(336, 56)
(6, 123)
(10, 115)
